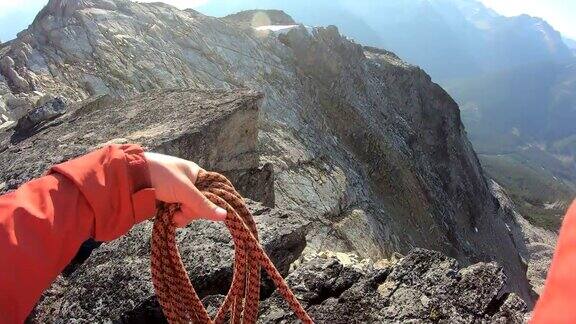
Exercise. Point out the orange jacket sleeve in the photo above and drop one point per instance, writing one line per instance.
(44, 222)
(557, 304)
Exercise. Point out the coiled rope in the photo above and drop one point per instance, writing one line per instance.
(174, 291)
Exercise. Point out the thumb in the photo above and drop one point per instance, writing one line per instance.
(197, 205)
(186, 215)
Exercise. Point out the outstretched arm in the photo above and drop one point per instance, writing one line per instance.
(99, 195)
(557, 304)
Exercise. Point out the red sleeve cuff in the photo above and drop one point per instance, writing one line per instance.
(111, 180)
(137, 167)
(144, 204)
(143, 195)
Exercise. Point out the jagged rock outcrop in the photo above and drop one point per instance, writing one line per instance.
(423, 287)
(539, 244)
(361, 141)
(48, 110)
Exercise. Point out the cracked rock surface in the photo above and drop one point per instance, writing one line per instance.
(423, 287)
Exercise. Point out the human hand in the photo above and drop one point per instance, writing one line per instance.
(173, 180)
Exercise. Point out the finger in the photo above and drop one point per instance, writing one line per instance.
(200, 207)
(185, 216)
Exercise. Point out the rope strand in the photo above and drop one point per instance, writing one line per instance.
(175, 292)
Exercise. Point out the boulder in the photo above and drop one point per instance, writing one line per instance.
(48, 110)
(215, 128)
(425, 286)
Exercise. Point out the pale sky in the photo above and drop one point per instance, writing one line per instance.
(561, 14)
(16, 15)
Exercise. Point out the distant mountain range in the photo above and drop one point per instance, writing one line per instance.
(447, 38)
(514, 78)
(532, 104)
(460, 38)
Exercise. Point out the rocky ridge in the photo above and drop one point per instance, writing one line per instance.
(114, 283)
(365, 144)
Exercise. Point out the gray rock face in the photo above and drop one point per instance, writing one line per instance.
(18, 83)
(539, 244)
(358, 139)
(102, 290)
(423, 287)
(216, 128)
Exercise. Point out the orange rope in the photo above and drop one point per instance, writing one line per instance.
(174, 290)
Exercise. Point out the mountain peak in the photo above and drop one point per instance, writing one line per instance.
(65, 8)
(72, 5)
(261, 17)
